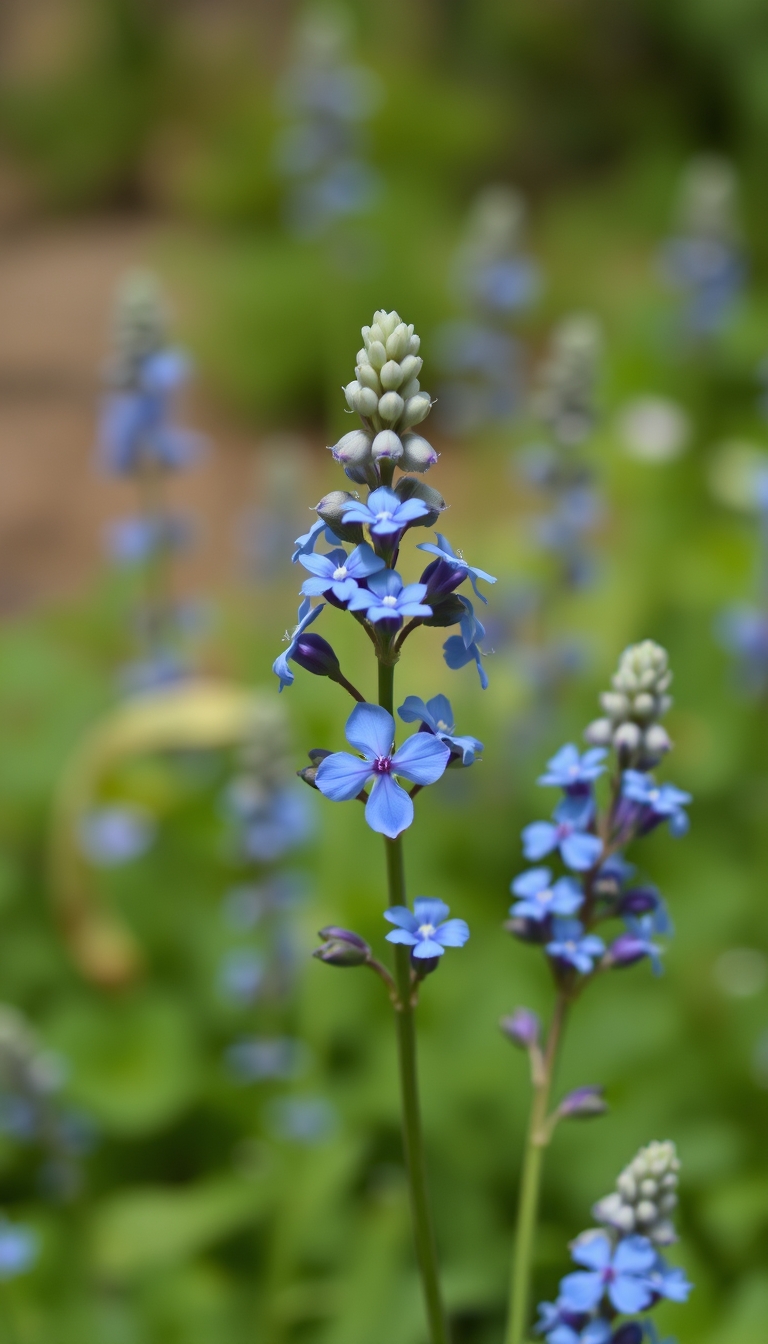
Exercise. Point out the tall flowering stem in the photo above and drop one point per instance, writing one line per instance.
(364, 581)
(561, 916)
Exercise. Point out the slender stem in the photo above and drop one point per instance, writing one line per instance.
(341, 680)
(413, 1141)
(539, 1134)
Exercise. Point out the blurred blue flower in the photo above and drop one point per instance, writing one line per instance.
(633, 946)
(437, 716)
(18, 1249)
(371, 729)
(256, 1059)
(458, 650)
(272, 821)
(539, 898)
(387, 598)
(136, 424)
(560, 1326)
(385, 513)
(339, 572)
(568, 770)
(307, 614)
(664, 801)
(302, 1119)
(669, 1282)
(445, 552)
(131, 541)
(110, 836)
(241, 975)
(426, 929)
(572, 945)
(622, 1273)
(579, 850)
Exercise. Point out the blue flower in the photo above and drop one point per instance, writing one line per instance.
(579, 849)
(664, 801)
(540, 899)
(633, 946)
(371, 729)
(461, 649)
(137, 424)
(669, 1282)
(339, 572)
(444, 551)
(114, 835)
(385, 513)
(18, 1249)
(572, 945)
(387, 598)
(437, 716)
(622, 1274)
(307, 614)
(305, 544)
(426, 928)
(570, 771)
(560, 1326)
(131, 541)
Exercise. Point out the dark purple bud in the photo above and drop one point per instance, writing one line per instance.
(639, 901)
(522, 1027)
(315, 655)
(309, 775)
(583, 1103)
(342, 947)
(424, 966)
(631, 1333)
(529, 930)
(625, 951)
(445, 610)
(318, 754)
(441, 579)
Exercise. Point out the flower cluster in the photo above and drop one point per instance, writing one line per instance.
(564, 914)
(645, 1195)
(494, 280)
(622, 1273)
(705, 258)
(139, 438)
(638, 700)
(325, 100)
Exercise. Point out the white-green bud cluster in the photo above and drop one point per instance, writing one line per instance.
(568, 379)
(387, 395)
(633, 707)
(708, 200)
(25, 1067)
(645, 1196)
(140, 326)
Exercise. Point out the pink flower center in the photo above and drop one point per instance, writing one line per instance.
(382, 765)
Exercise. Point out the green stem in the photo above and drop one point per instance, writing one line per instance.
(539, 1134)
(413, 1141)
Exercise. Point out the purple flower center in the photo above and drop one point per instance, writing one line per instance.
(564, 829)
(382, 765)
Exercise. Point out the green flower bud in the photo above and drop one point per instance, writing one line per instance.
(397, 343)
(331, 510)
(411, 367)
(410, 389)
(391, 375)
(377, 354)
(645, 1195)
(415, 410)
(390, 407)
(368, 377)
(409, 488)
(353, 449)
(414, 345)
(418, 454)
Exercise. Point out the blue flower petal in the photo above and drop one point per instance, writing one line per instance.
(402, 917)
(428, 947)
(592, 1250)
(453, 933)
(539, 838)
(422, 758)
(403, 936)
(371, 729)
(413, 710)
(634, 1255)
(629, 1294)
(581, 1291)
(389, 809)
(430, 910)
(341, 776)
(581, 851)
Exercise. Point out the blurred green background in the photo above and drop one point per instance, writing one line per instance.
(201, 1219)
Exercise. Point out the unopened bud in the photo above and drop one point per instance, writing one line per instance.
(418, 454)
(377, 355)
(656, 741)
(583, 1103)
(354, 449)
(390, 407)
(397, 342)
(627, 738)
(342, 947)
(369, 378)
(315, 655)
(631, 1333)
(522, 1027)
(331, 510)
(625, 951)
(599, 733)
(391, 376)
(415, 410)
(388, 445)
(409, 488)
(639, 901)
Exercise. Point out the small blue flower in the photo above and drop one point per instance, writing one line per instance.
(131, 541)
(633, 946)
(371, 729)
(385, 513)
(137, 424)
(578, 848)
(305, 544)
(458, 650)
(539, 898)
(572, 945)
(444, 551)
(664, 801)
(307, 614)
(669, 1282)
(426, 928)
(570, 771)
(387, 598)
(560, 1326)
(621, 1274)
(18, 1249)
(437, 715)
(111, 836)
(339, 572)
